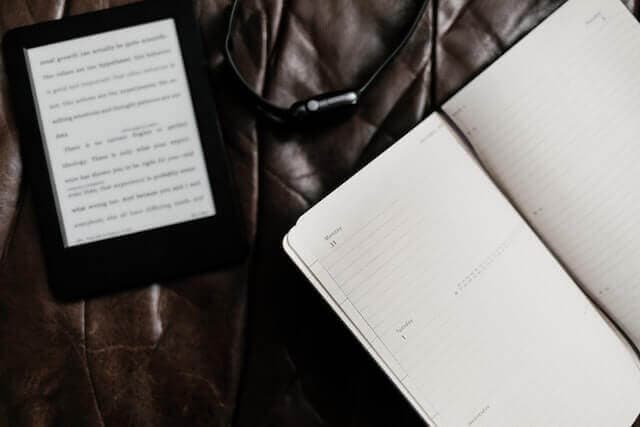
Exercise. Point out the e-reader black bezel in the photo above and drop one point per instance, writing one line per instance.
(142, 257)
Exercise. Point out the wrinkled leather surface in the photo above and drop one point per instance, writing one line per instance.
(253, 345)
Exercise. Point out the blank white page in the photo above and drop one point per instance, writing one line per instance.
(457, 299)
(556, 121)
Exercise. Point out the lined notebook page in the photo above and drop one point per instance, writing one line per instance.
(445, 284)
(556, 121)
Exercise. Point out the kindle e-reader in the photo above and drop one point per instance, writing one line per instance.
(122, 147)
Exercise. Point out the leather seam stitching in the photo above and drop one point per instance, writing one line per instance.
(285, 185)
(12, 229)
(435, 8)
(86, 361)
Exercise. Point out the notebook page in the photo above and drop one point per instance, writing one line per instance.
(444, 283)
(556, 122)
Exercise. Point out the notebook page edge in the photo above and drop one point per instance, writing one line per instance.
(318, 286)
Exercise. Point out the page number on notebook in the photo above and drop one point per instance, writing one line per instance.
(331, 237)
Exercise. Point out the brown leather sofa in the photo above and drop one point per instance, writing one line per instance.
(253, 345)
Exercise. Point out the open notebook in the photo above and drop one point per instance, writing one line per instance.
(472, 275)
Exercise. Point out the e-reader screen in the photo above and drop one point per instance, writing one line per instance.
(120, 133)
